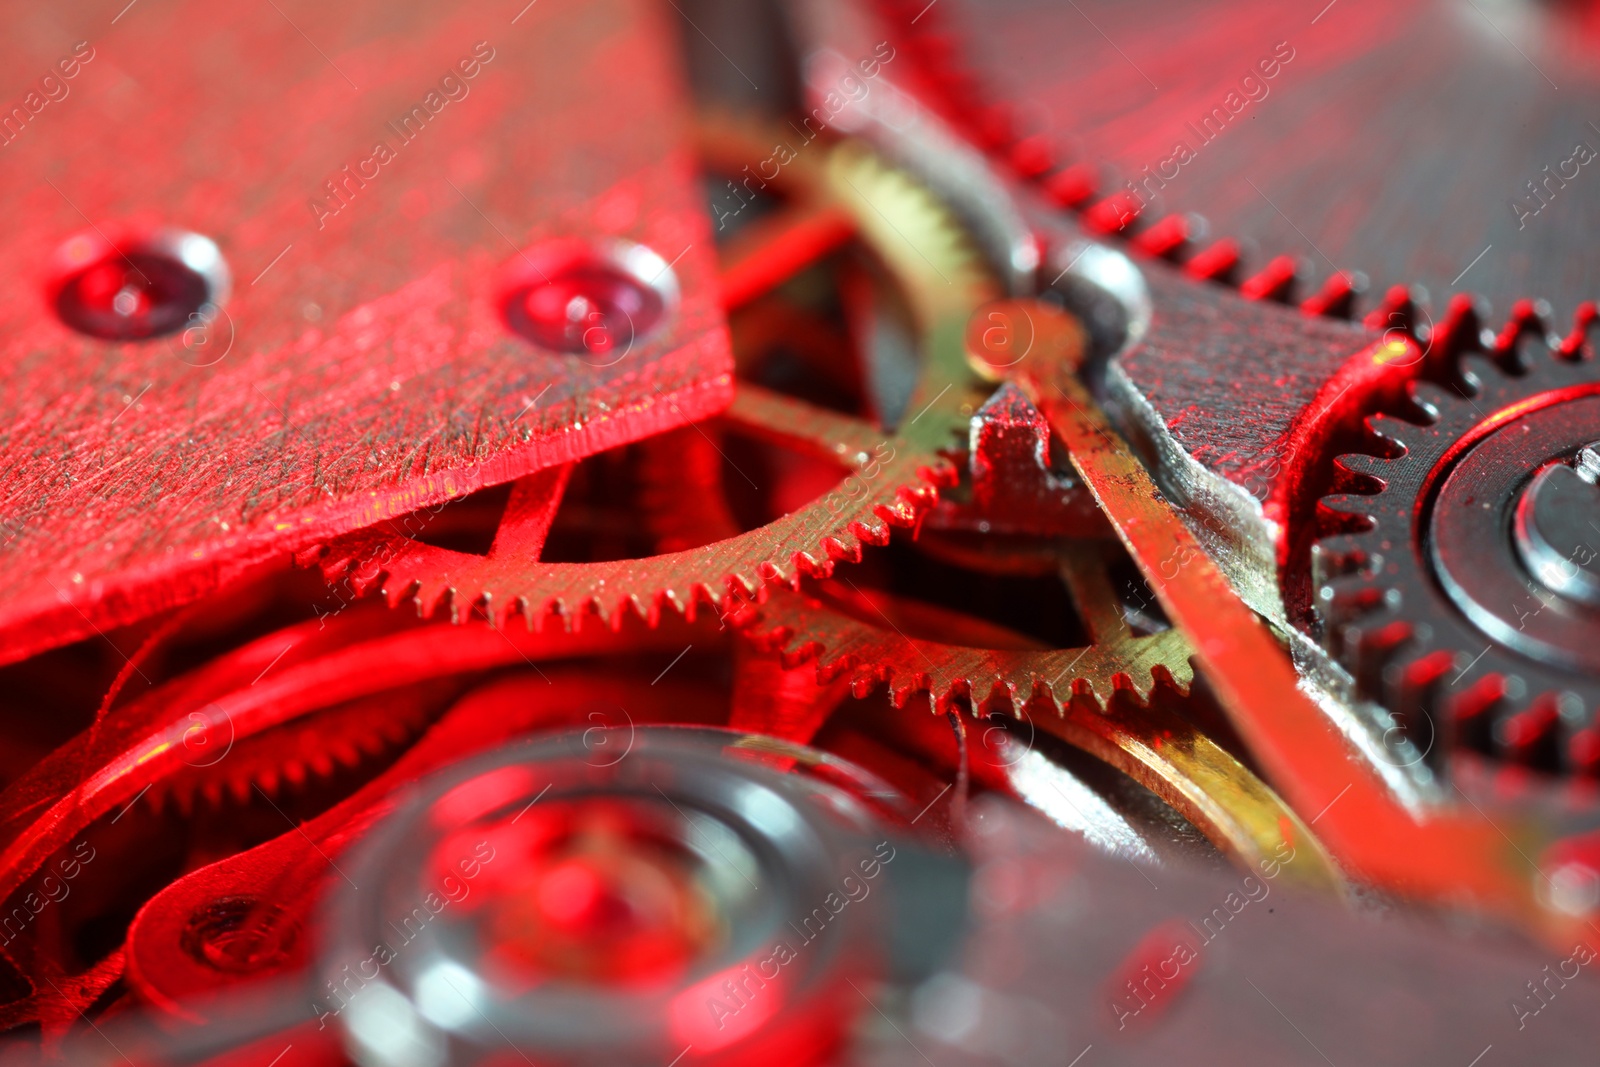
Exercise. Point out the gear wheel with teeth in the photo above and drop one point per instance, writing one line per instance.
(1462, 606)
(892, 475)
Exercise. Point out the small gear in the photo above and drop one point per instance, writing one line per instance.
(858, 638)
(297, 753)
(1458, 593)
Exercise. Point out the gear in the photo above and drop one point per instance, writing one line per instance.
(1463, 607)
(297, 753)
(1141, 736)
(893, 477)
(1245, 142)
(826, 623)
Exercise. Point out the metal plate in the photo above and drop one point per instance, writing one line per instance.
(360, 368)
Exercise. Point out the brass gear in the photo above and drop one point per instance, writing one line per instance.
(892, 476)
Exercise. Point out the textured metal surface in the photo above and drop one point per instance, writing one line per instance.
(1396, 140)
(1052, 550)
(360, 369)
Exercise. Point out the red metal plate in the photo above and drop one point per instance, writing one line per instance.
(361, 367)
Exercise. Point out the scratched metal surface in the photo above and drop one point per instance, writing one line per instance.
(367, 372)
(1231, 377)
(1395, 142)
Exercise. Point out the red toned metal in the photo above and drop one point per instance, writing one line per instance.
(1275, 281)
(774, 250)
(273, 888)
(1375, 835)
(365, 189)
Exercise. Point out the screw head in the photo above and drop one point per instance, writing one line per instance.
(592, 300)
(132, 287)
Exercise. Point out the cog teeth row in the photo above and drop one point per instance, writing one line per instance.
(1493, 715)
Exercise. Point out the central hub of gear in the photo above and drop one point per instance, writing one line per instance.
(1510, 540)
(1557, 517)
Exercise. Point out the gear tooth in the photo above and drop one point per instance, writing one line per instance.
(1217, 262)
(1369, 645)
(364, 580)
(1333, 557)
(808, 565)
(1529, 321)
(1362, 463)
(870, 534)
(1179, 681)
(1427, 399)
(1338, 296)
(609, 614)
(1083, 689)
(1166, 238)
(433, 596)
(1458, 334)
(310, 557)
(1343, 601)
(1401, 308)
(1359, 474)
(774, 640)
(1418, 685)
(397, 590)
(1276, 281)
(661, 605)
(1583, 751)
(745, 588)
(728, 608)
(1574, 346)
(543, 613)
(1471, 713)
(1531, 735)
(808, 652)
(839, 551)
(1389, 433)
(1001, 699)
